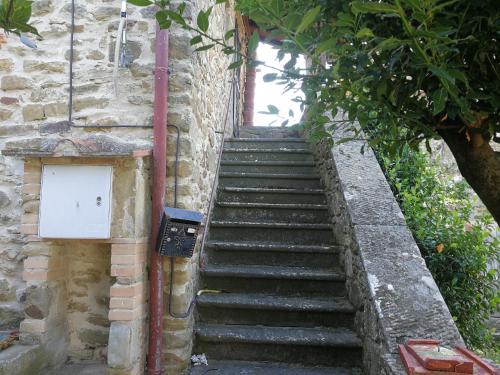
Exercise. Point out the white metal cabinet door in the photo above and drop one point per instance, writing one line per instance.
(75, 201)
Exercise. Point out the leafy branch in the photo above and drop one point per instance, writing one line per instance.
(15, 15)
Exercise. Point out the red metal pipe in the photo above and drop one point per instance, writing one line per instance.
(159, 185)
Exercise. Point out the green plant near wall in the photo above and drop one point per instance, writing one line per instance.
(15, 15)
(456, 246)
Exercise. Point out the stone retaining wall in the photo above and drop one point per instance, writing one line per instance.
(388, 282)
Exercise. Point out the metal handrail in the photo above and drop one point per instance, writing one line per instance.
(216, 178)
(209, 213)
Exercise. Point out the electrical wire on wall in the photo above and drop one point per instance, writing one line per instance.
(71, 66)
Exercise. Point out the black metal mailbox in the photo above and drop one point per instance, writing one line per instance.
(178, 232)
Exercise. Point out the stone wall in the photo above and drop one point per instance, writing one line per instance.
(34, 104)
(199, 94)
(388, 282)
(34, 96)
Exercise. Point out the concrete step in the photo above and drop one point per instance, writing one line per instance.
(271, 195)
(270, 180)
(275, 310)
(307, 346)
(267, 166)
(22, 360)
(267, 154)
(282, 143)
(271, 254)
(283, 212)
(298, 281)
(260, 368)
(276, 132)
(82, 368)
(283, 232)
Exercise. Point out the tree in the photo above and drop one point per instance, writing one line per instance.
(418, 69)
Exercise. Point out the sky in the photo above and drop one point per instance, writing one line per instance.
(270, 93)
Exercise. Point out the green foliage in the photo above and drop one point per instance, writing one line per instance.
(141, 3)
(413, 65)
(15, 15)
(455, 245)
(417, 64)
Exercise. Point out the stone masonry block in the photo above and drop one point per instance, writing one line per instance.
(37, 262)
(55, 109)
(33, 112)
(37, 302)
(48, 67)
(5, 114)
(119, 345)
(33, 326)
(6, 65)
(9, 100)
(15, 83)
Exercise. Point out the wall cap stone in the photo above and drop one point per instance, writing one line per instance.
(401, 298)
(93, 146)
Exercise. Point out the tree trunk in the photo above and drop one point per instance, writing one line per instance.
(479, 165)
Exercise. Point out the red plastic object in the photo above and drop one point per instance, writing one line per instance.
(427, 357)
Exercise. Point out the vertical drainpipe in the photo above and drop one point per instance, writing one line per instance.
(249, 100)
(158, 197)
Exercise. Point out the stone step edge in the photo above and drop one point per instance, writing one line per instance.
(250, 301)
(277, 140)
(278, 176)
(268, 163)
(326, 337)
(235, 367)
(283, 150)
(287, 206)
(273, 272)
(277, 247)
(257, 190)
(273, 224)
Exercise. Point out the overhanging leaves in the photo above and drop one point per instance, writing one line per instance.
(373, 7)
(308, 19)
(15, 15)
(140, 3)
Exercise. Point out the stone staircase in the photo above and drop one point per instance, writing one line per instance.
(281, 306)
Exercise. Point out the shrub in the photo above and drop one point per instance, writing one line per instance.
(456, 244)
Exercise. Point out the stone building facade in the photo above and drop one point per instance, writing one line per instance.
(80, 299)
